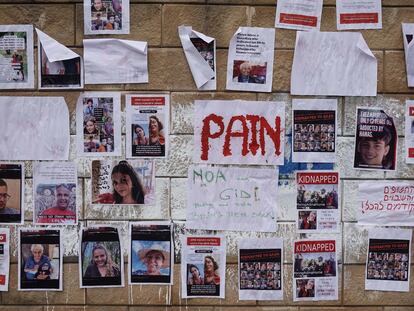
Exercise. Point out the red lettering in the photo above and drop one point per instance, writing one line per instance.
(206, 134)
(253, 146)
(274, 134)
(229, 133)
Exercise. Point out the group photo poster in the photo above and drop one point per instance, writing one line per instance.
(40, 262)
(375, 140)
(151, 253)
(230, 198)
(123, 182)
(4, 259)
(261, 269)
(58, 66)
(106, 17)
(239, 132)
(315, 271)
(358, 14)
(200, 51)
(11, 193)
(314, 130)
(203, 266)
(317, 201)
(54, 193)
(386, 203)
(98, 124)
(147, 125)
(16, 57)
(250, 60)
(388, 260)
(101, 261)
(409, 131)
(299, 14)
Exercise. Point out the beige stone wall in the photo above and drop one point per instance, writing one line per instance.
(156, 21)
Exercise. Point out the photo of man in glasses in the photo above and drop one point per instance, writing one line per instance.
(4, 196)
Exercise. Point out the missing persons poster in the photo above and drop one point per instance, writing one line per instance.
(203, 266)
(16, 57)
(386, 203)
(40, 262)
(250, 60)
(314, 130)
(54, 192)
(315, 271)
(229, 198)
(358, 14)
(151, 253)
(11, 193)
(101, 261)
(388, 260)
(375, 140)
(239, 132)
(147, 124)
(4, 259)
(317, 201)
(261, 269)
(299, 14)
(409, 131)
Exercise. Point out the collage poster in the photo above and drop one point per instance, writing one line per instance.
(4, 259)
(147, 125)
(358, 14)
(16, 57)
(376, 140)
(11, 193)
(230, 198)
(203, 266)
(54, 193)
(314, 130)
(409, 132)
(315, 271)
(388, 259)
(317, 201)
(299, 14)
(151, 254)
(261, 269)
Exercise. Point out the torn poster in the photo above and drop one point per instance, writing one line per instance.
(299, 14)
(239, 132)
(358, 14)
(409, 131)
(200, 51)
(229, 198)
(16, 57)
(250, 60)
(58, 66)
(40, 125)
(333, 63)
(4, 259)
(115, 61)
(408, 33)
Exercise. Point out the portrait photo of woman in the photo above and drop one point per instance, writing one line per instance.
(210, 271)
(101, 264)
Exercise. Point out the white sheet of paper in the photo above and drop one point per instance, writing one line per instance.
(4, 259)
(386, 203)
(299, 14)
(408, 36)
(118, 9)
(395, 245)
(34, 128)
(224, 198)
(333, 63)
(250, 60)
(313, 130)
(15, 74)
(239, 132)
(109, 61)
(107, 130)
(268, 252)
(196, 251)
(55, 52)
(409, 132)
(202, 61)
(358, 14)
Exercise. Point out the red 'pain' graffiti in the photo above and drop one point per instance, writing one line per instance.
(245, 133)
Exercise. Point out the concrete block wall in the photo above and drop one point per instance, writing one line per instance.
(156, 21)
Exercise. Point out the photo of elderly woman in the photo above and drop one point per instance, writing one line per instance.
(248, 72)
(40, 260)
(101, 257)
(123, 182)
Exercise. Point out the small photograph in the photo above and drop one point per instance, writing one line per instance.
(305, 288)
(315, 265)
(40, 260)
(249, 72)
(106, 15)
(314, 138)
(195, 274)
(124, 182)
(11, 193)
(307, 220)
(260, 275)
(387, 266)
(317, 196)
(211, 270)
(150, 133)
